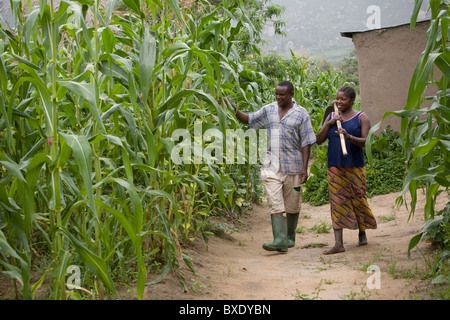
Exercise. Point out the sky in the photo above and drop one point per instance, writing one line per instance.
(315, 26)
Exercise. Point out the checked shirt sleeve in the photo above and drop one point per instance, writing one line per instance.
(258, 119)
(307, 134)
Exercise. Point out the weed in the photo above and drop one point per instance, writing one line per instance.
(391, 217)
(322, 227)
(196, 284)
(361, 295)
(313, 296)
(300, 229)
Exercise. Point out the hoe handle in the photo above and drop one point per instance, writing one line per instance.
(344, 148)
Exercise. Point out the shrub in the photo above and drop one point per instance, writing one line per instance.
(384, 175)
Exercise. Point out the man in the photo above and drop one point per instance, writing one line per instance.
(285, 168)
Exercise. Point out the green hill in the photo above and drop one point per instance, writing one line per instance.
(314, 27)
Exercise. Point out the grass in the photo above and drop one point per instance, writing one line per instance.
(322, 227)
(384, 219)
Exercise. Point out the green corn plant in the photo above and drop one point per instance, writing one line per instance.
(424, 129)
(89, 100)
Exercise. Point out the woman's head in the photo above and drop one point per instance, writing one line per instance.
(345, 98)
(349, 92)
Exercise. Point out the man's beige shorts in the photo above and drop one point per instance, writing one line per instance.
(280, 191)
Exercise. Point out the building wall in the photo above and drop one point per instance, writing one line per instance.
(386, 61)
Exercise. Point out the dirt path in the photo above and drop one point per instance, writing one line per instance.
(236, 267)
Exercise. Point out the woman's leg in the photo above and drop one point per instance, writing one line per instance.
(339, 243)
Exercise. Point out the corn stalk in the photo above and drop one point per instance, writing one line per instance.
(89, 99)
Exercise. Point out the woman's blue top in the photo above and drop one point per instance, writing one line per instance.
(355, 157)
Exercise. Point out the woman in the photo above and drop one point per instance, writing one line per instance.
(346, 175)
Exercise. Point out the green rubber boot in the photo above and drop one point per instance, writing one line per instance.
(292, 221)
(279, 229)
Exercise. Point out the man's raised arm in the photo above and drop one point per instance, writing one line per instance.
(241, 116)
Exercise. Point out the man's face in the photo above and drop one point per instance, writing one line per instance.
(283, 96)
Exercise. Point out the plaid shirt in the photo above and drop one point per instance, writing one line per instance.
(285, 137)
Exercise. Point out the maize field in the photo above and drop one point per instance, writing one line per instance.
(90, 97)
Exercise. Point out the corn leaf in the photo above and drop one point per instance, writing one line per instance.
(94, 263)
(83, 157)
(147, 63)
(21, 274)
(86, 91)
(60, 271)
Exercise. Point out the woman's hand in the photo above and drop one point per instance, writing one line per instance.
(336, 117)
(344, 132)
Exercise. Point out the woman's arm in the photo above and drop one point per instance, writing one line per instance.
(321, 136)
(365, 127)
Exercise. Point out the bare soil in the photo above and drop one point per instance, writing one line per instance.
(234, 266)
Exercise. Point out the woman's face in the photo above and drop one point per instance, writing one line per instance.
(343, 101)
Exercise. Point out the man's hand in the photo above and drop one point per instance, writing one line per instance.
(303, 176)
(241, 116)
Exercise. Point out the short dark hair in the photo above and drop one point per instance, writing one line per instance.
(349, 92)
(288, 85)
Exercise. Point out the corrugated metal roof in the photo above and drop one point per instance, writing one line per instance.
(349, 34)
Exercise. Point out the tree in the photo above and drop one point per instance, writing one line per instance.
(258, 13)
(349, 68)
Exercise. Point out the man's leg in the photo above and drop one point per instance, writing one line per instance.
(292, 222)
(279, 230)
(292, 199)
(274, 190)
